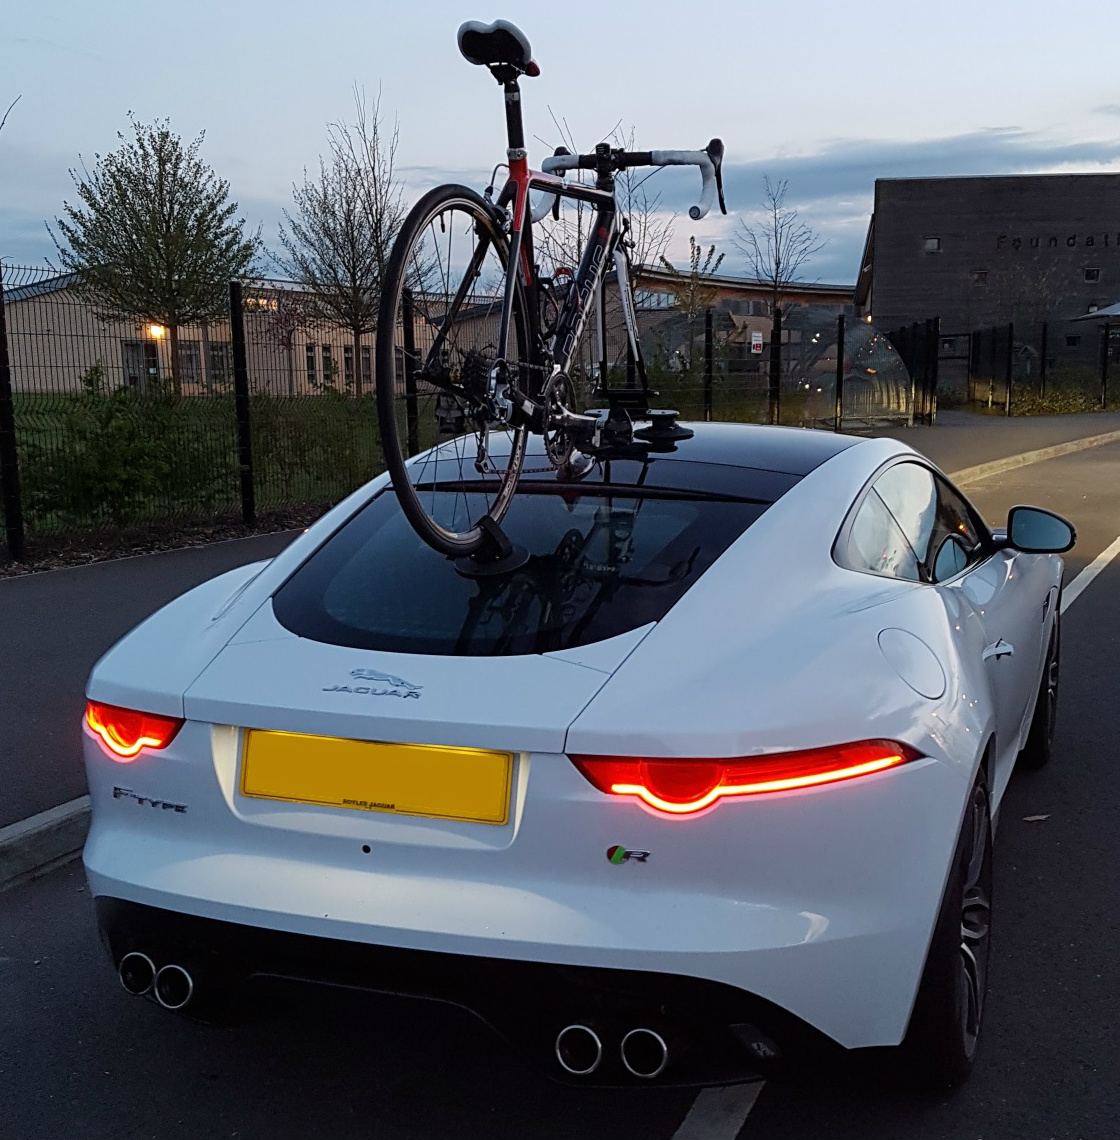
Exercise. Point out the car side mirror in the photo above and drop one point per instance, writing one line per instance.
(1036, 531)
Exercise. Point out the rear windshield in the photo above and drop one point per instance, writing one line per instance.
(599, 565)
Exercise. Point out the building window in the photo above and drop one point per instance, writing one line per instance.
(348, 365)
(654, 299)
(328, 366)
(978, 277)
(1072, 341)
(141, 363)
(948, 344)
(932, 245)
(367, 370)
(311, 370)
(1092, 274)
(221, 363)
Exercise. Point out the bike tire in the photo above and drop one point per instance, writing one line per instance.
(437, 329)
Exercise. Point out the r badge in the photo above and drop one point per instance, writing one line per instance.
(618, 855)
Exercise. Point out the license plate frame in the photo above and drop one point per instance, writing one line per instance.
(429, 781)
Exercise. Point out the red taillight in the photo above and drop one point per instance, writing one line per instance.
(126, 731)
(683, 786)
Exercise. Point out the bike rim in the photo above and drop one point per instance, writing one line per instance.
(447, 307)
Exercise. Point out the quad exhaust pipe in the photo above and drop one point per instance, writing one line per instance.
(645, 1053)
(579, 1049)
(137, 973)
(172, 985)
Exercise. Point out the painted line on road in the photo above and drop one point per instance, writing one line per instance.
(719, 1113)
(42, 842)
(1077, 587)
(1025, 458)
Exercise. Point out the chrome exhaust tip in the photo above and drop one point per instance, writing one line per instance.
(579, 1050)
(137, 972)
(644, 1053)
(173, 987)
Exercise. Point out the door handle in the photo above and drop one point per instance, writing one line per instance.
(999, 649)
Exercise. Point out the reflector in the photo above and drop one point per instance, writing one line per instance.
(126, 731)
(683, 786)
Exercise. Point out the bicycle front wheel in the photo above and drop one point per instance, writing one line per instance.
(452, 457)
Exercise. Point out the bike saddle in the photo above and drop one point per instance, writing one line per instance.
(496, 44)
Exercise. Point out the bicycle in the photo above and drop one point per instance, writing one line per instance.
(475, 347)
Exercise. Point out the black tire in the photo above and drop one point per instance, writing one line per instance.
(1040, 739)
(941, 1041)
(440, 417)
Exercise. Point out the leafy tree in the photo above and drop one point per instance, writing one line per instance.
(338, 237)
(776, 247)
(693, 290)
(154, 235)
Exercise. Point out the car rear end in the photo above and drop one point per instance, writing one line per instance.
(398, 776)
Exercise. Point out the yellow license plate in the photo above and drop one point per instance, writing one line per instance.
(405, 779)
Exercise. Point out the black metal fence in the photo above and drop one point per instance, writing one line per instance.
(1044, 366)
(109, 424)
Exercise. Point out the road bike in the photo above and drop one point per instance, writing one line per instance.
(476, 346)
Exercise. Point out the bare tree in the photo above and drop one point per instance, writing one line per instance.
(340, 233)
(155, 235)
(694, 291)
(776, 247)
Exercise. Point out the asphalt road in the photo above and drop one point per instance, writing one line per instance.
(78, 1057)
(53, 628)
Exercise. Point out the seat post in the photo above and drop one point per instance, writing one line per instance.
(515, 130)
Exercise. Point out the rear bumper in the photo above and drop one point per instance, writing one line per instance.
(721, 1034)
(819, 904)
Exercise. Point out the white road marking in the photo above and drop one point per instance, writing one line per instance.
(1074, 590)
(719, 1114)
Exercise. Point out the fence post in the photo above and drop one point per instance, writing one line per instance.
(935, 358)
(839, 372)
(241, 403)
(1042, 362)
(1008, 366)
(775, 397)
(973, 365)
(992, 368)
(708, 363)
(1104, 364)
(9, 459)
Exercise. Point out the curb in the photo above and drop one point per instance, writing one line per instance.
(1025, 458)
(37, 845)
(42, 842)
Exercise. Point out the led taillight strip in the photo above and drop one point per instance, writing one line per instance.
(126, 731)
(681, 786)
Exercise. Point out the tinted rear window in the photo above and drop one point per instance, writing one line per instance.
(599, 565)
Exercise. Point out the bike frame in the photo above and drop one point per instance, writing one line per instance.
(604, 246)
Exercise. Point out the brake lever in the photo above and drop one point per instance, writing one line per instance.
(556, 199)
(714, 150)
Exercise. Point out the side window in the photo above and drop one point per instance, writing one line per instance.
(910, 493)
(877, 544)
(957, 540)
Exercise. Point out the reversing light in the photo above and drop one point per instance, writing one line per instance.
(126, 731)
(684, 786)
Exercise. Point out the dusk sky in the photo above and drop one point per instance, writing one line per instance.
(828, 96)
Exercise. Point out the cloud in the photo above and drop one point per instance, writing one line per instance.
(833, 187)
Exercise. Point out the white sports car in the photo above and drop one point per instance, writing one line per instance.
(711, 776)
